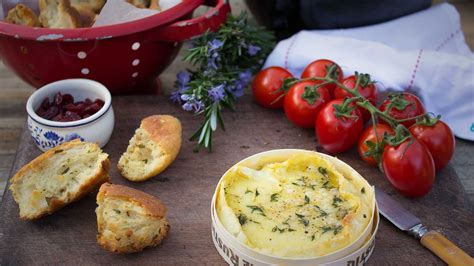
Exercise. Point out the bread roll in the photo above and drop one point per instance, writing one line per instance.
(152, 149)
(58, 14)
(86, 17)
(93, 5)
(22, 15)
(129, 220)
(140, 3)
(58, 177)
(155, 4)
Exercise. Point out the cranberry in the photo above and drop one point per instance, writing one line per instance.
(99, 102)
(58, 98)
(74, 107)
(71, 116)
(51, 112)
(91, 109)
(45, 104)
(58, 117)
(63, 108)
(67, 98)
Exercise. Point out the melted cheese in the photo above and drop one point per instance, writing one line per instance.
(301, 207)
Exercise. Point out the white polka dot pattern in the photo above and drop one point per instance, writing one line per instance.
(135, 46)
(81, 55)
(85, 71)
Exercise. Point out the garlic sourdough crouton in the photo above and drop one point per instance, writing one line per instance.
(22, 15)
(129, 220)
(152, 149)
(58, 177)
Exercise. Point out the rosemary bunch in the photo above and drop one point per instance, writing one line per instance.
(224, 62)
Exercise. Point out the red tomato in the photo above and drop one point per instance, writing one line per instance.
(404, 107)
(409, 167)
(438, 139)
(337, 134)
(303, 102)
(319, 69)
(366, 88)
(368, 135)
(265, 85)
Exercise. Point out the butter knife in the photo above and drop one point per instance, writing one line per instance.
(409, 223)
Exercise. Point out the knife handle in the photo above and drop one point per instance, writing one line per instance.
(445, 249)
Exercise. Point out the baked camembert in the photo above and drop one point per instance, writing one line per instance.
(301, 207)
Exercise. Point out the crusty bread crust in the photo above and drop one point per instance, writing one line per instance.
(155, 4)
(140, 3)
(86, 17)
(123, 233)
(152, 204)
(22, 15)
(93, 5)
(58, 14)
(55, 204)
(165, 132)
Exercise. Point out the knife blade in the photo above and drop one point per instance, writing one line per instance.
(409, 223)
(395, 213)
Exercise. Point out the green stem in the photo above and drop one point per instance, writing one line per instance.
(364, 104)
(411, 118)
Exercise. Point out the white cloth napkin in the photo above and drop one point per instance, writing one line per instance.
(424, 53)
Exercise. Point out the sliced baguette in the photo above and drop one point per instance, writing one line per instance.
(58, 177)
(129, 220)
(152, 149)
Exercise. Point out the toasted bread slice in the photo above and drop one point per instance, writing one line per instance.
(152, 149)
(129, 220)
(58, 177)
(58, 14)
(22, 15)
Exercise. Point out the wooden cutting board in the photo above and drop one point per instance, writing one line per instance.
(68, 236)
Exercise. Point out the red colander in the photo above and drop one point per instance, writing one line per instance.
(125, 57)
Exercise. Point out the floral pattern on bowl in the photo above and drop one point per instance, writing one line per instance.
(50, 139)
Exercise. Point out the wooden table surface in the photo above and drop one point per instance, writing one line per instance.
(72, 230)
(186, 187)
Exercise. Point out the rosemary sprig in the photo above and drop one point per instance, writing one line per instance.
(224, 62)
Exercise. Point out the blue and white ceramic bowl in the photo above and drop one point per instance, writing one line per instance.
(97, 128)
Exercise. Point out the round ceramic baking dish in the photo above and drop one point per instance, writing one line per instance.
(235, 251)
